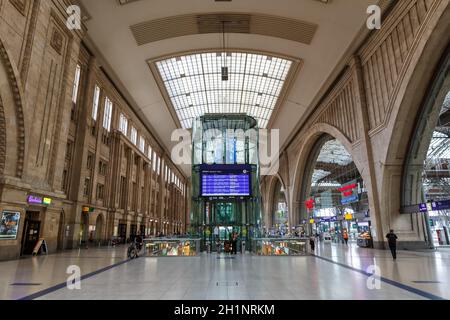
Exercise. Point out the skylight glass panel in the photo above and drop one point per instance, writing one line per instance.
(195, 86)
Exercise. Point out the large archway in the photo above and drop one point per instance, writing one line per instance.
(334, 194)
(426, 175)
(279, 213)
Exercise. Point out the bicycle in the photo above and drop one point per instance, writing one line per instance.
(134, 249)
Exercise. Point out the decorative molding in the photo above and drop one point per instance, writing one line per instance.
(57, 41)
(26, 56)
(20, 5)
(388, 55)
(247, 23)
(16, 91)
(2, 138)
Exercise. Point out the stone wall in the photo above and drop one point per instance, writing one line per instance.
(38, 59)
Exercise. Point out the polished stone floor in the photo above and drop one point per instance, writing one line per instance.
(337, 272)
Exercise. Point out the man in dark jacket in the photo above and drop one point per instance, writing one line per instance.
(392, 240)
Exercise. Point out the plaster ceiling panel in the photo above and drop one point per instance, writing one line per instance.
(339, 22)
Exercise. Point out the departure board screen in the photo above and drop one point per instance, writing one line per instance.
(225, 185)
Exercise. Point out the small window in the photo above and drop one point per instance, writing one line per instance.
(142, 144)
(100, 192)
(90, 161)
(76, 84)
(108, 114)
(154, 161)
(64, 180)
(158, 165)
(69, 150)
(123, 124)
(102, 168)
(149, 152)
(87, 187)
(134, 135)
(95, 102)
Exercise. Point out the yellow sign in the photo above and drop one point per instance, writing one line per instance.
(47, 201)
(348, 216)
(312, 221)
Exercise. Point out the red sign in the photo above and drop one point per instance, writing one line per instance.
(310, 204)
(350, 186)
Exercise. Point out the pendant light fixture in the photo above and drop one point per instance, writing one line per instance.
(225, 70)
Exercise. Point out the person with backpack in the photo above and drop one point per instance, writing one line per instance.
(392, 240)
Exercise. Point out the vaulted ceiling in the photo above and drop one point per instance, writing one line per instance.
(128, 34)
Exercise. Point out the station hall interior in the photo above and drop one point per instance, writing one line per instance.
(225, 149)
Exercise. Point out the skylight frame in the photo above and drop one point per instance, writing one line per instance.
(201, 91)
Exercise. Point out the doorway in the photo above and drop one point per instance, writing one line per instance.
(84, 229)
(60, 245)
(123, 232)
(99, 229)
(31, 232)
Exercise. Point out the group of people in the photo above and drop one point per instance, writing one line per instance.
(231, 245)
(391, 237)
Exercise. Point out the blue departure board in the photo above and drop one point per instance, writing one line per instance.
(225, 185)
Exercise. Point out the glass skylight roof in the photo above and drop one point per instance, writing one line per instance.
(195, 86)
(334, 152)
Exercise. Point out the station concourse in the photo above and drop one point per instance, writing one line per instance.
(224, 150)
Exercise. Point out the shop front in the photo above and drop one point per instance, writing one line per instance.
(34, 222)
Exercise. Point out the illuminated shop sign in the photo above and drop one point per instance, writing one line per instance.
(348, 216)
(32, 199)
(88, 209)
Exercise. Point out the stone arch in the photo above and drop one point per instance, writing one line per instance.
(269, 196)
(415, 88)
(12, 123)
(311, 138)
(395, 141)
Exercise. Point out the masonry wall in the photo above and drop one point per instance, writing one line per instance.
(46, 140)
(372, 109)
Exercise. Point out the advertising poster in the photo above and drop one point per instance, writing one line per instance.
(9, 225)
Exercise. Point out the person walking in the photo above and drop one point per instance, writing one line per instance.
(234, 242)
(312, 243)
(392, 240)
(346, 238)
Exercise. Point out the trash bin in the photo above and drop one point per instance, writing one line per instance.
(243, 247)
